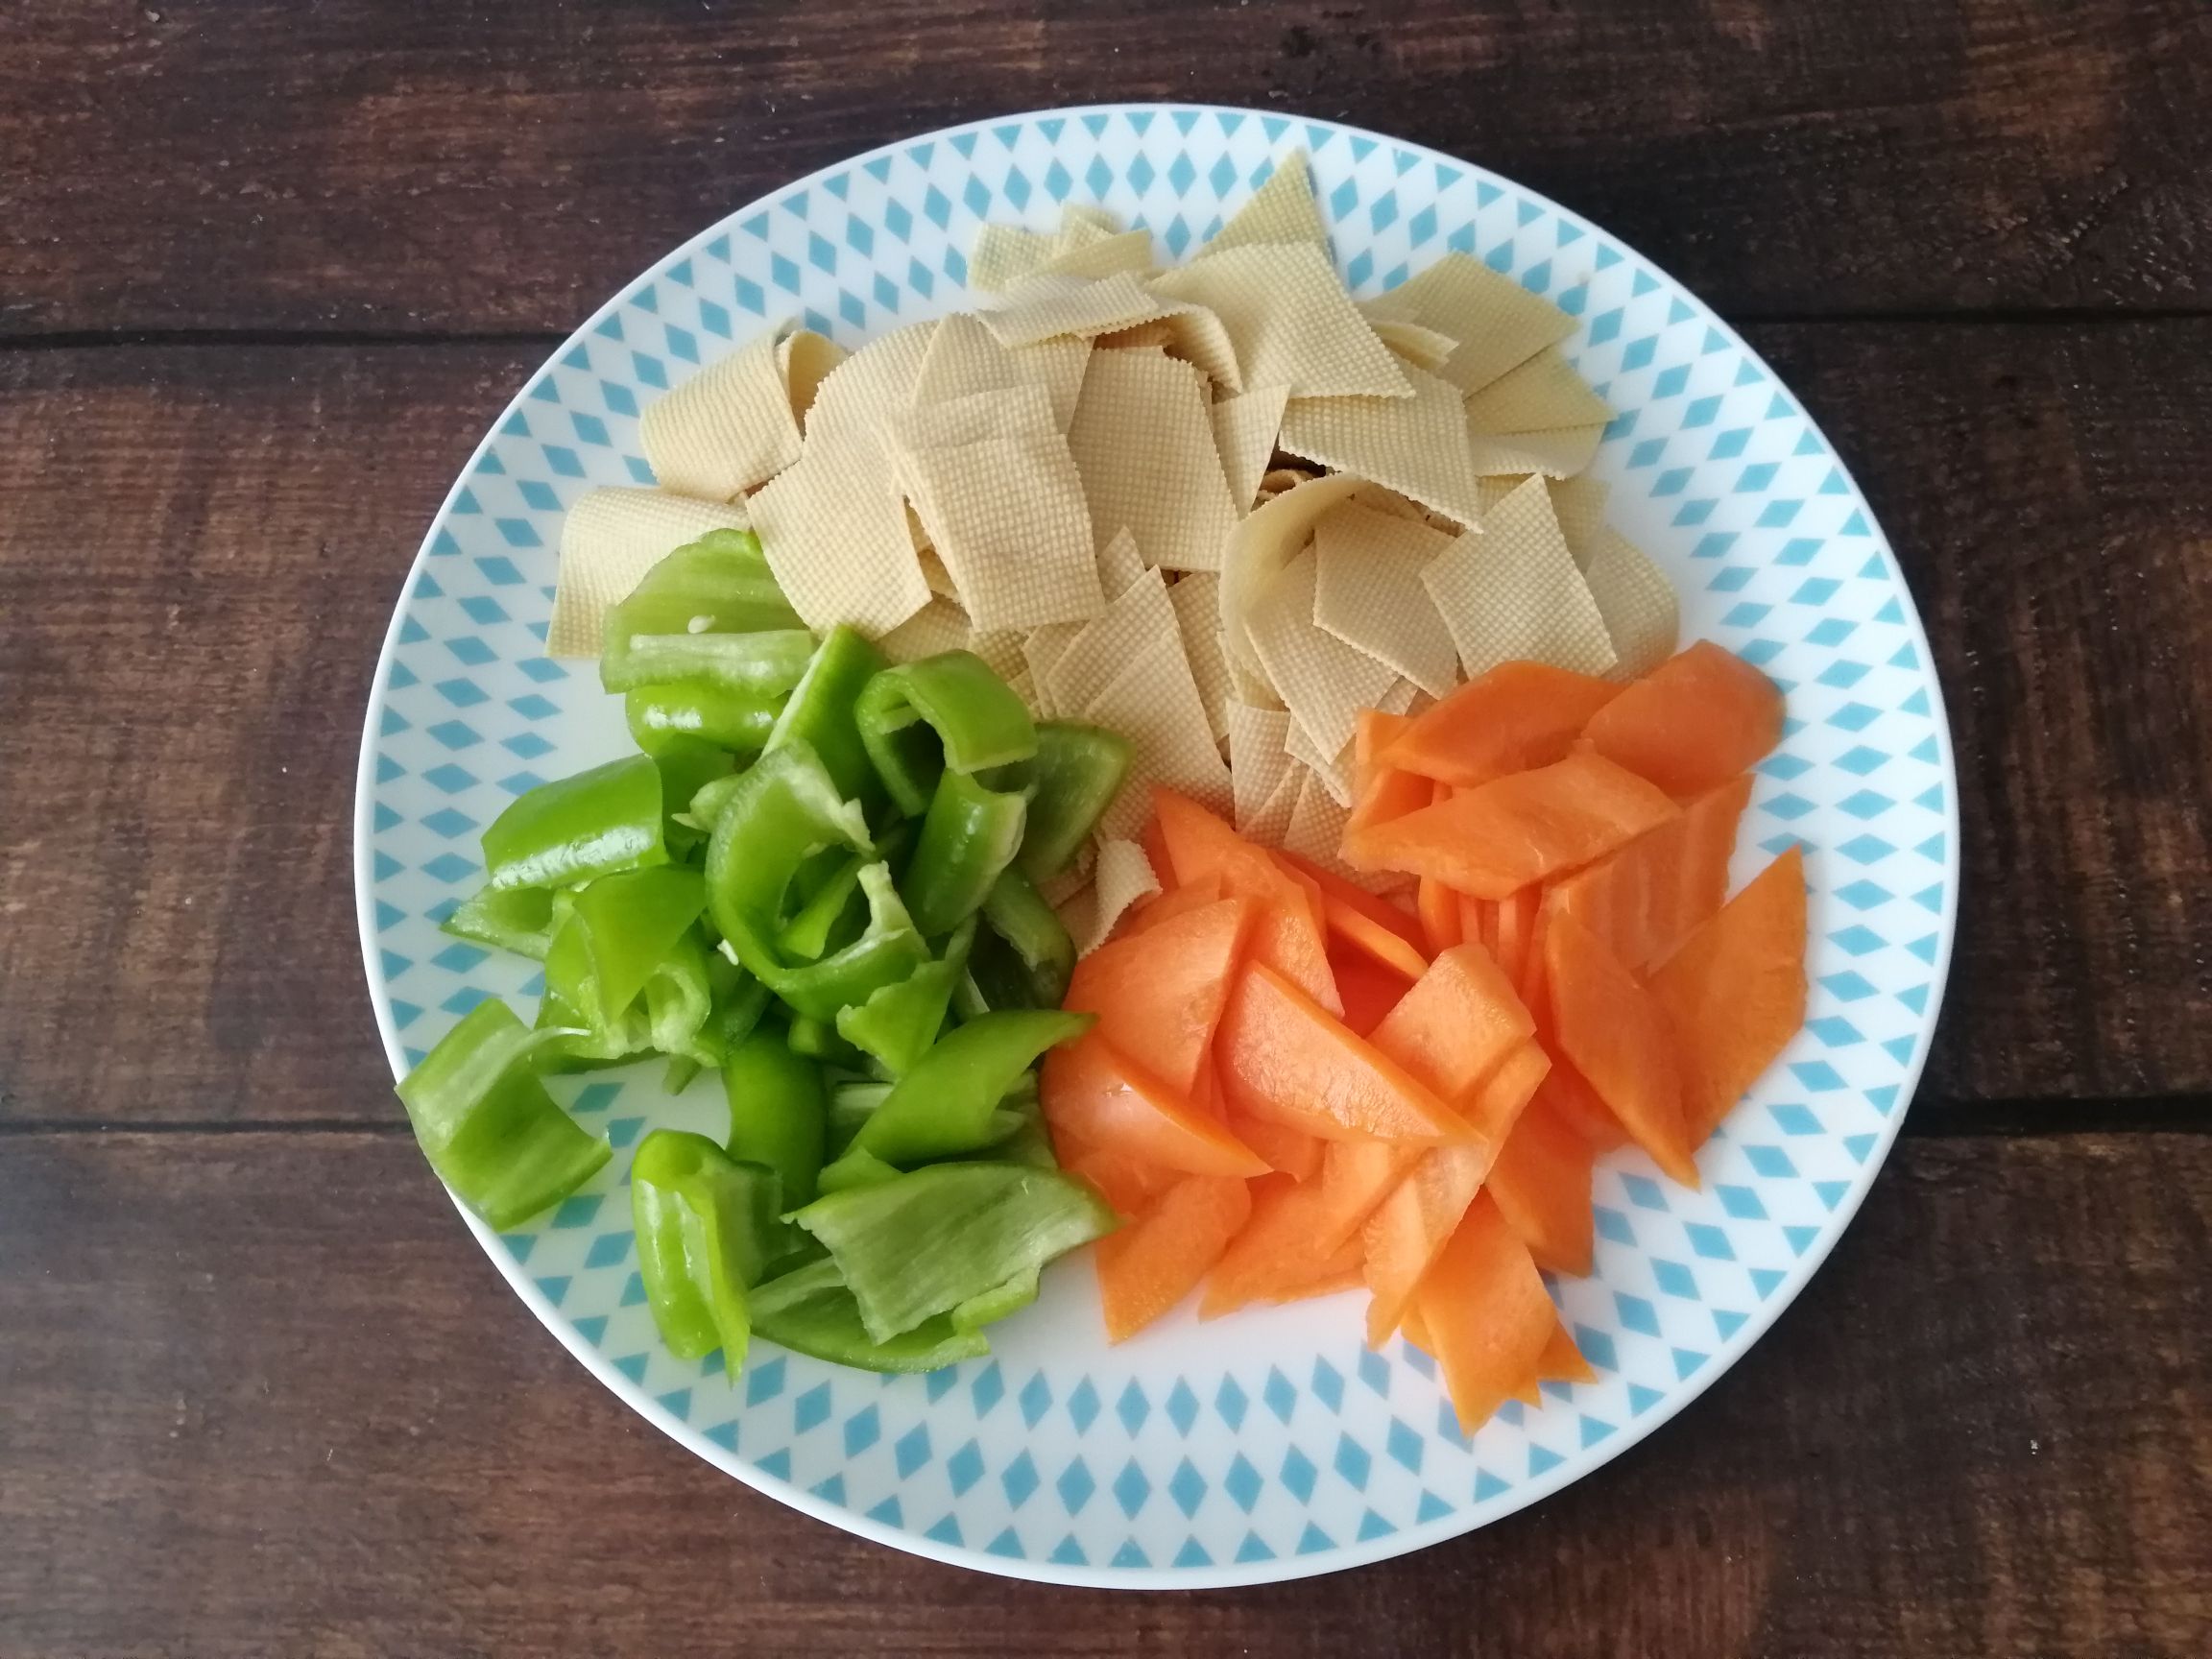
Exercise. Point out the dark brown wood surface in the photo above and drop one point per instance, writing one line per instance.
(266, 272)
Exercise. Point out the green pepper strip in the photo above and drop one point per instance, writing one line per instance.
(518, 918)
(950, 1236)
(710, 797)
(738, 721)
(631, 922)
(706, 1227)
(486, 1124)
(971, 835)
(943, 1106)
(782, 811)
(719, 584)
(687, 765)
(809, 1311)
(680, 1005)
(759, 664)
(1017, 913)
(569, 830)
(779, 1111)
(898, 1022)
(945, 711)
(822, 710)
(1074, 778)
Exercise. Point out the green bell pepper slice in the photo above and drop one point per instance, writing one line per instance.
(858, 1168)
(719, 584)
(1015, 913)
(969, 835)
(949, 1236)
(680, 1005)
(631, 922)
(1074, 778)
(818, 1040)
(809, 1311)
(706, 1228)
(779, 1111)
(699, 710)
(823, 710)
(807, 935)
(594, 823)
(942, 1107)
(710, 799)
(756, 664)
(898, 1022)
(490, 1129)
(517, 919)
(945, 711)
(849, 1105)
(782, 812)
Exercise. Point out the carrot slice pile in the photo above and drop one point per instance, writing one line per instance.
(1296, 1087)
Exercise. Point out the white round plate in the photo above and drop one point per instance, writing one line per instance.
(1272, 1444)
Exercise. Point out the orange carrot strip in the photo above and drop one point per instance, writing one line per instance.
(1159, 993)
(1515, 716)
(1373, 906)
(1516, 921)
(1736, 992)
(1287, 933)
(1455, 1023)
(1541, 1183)
(1499, 837)
(1283, 1056)
(1619, 1036)
(1484, 1310)
(1381, 792)
(1645, 900)
(1291, 1151)
(1128, 1184)
(1095, 1093)
(1412, 1225)
(1274, 1253)
(1168, 903)
(1438, 908)
(1692, 723)
(1148, 1267)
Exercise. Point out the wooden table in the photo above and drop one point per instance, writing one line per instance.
(267, 271)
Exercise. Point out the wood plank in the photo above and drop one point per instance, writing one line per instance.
(200, 546)
(263, 1398)
(504, 167)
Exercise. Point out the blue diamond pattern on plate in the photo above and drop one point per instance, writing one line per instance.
(1273, 1444)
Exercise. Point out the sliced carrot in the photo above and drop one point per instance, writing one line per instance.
(1380, 791)
(1367, 989)
(1092, 1091)
(1412, 1225)
(1478, 923)
(1484, 1310)
(1498, 1102)
(1438, 908)
(1335, 890)
(1499, 837)
(1516, 922)
(1617, 1034)
(1645, 900)
(1540, 1182)
(1515, 716)
(1736, 992)
(1276, 1253)
(1291, 1151)
(1154, 841)
(1529, 981)
(1128, 1184)
(1148, 1267)
(1578, 1107)
(1169, 903)
(1332, 1280)
(1159, 993)
(1287, 933)
(1415, 1329)
(1285, 1057)
(1357, 1176)
(1455, 1025)
(1694, 722)
(1561, 1360)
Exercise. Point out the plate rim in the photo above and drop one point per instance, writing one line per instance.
(1229, 1574)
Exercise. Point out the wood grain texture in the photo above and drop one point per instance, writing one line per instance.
(264, 1397)
(504, 166)
(200, 548)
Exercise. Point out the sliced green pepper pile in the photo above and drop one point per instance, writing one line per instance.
(819, 879)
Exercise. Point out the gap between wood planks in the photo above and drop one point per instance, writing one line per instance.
(2069, 316)
(1927, 1120)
